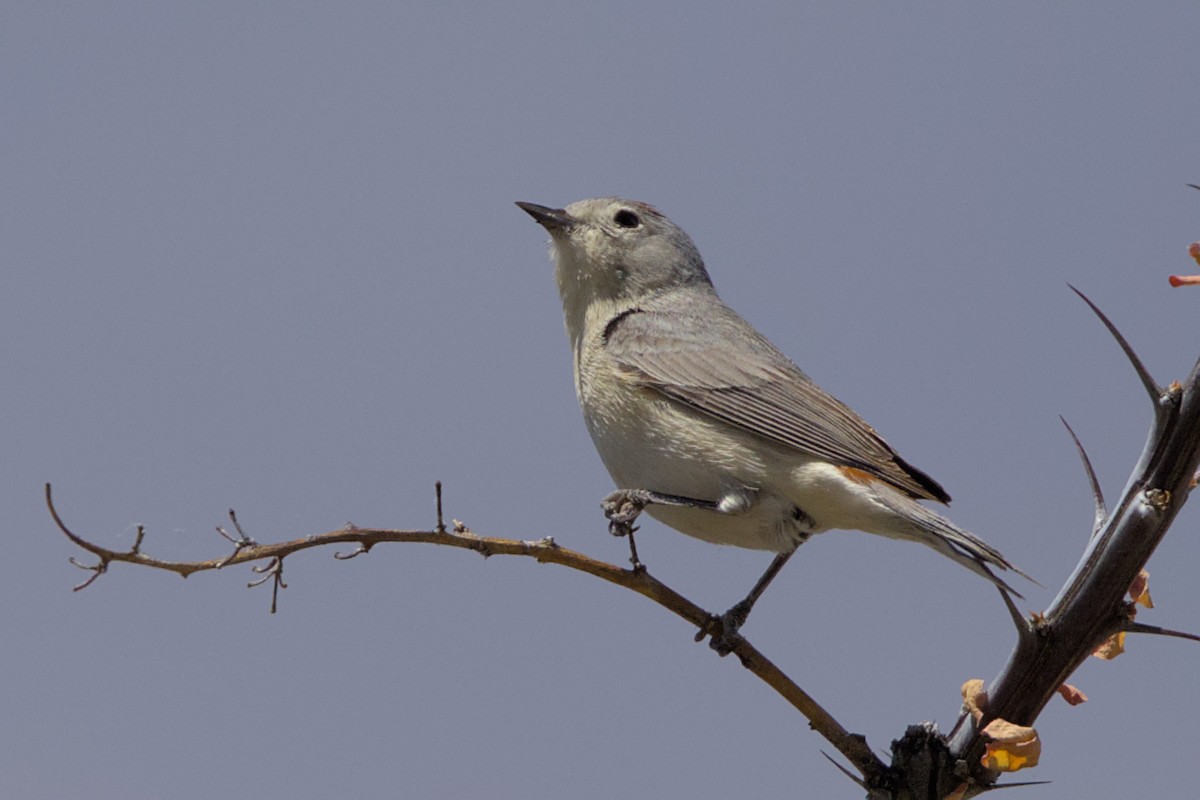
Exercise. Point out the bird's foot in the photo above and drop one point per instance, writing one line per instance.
(729, 623)
(622, 508)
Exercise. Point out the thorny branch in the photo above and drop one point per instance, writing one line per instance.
(1050, 645)
(1090, 606)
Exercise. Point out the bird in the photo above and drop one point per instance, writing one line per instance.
(707, 426)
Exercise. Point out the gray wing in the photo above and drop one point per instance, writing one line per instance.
(717, 364)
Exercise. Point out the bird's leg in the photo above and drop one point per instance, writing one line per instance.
(734, 618)
(623, 506)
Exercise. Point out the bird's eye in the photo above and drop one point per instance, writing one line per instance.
(626, 219)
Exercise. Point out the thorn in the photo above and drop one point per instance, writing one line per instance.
(1101, 511)
(1153, 389)
(845, 771)
(1139, 627)
(1023, 627)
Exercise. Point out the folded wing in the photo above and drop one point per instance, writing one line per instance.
(751, 385)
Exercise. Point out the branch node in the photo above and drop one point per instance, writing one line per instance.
(137, 542)
(240, 542)
(272, 571)
(1158, 499)
(97, 569)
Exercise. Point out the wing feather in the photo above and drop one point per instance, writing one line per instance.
(720, 366)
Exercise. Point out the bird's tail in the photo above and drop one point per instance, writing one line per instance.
(933, 530)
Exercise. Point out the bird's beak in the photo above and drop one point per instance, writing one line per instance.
(552, 219)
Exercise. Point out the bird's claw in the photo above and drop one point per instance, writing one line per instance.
(622, 508)
(729, 623)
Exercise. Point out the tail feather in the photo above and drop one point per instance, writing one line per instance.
(933, 530)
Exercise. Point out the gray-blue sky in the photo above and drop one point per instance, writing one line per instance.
(265, 256)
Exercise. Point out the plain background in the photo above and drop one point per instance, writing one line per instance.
(265, 255)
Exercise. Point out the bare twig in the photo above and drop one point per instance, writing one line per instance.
(240, 542)
(437, 490)
(852, 746)
(362, 548)
(97, 569)
(273, 572)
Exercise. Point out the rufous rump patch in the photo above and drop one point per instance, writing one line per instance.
(858, 475)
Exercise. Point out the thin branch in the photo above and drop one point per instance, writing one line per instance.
(271, 572)
(240, 542)
(852, 746)
(97, 569)
(437, 490)
(360, 550)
